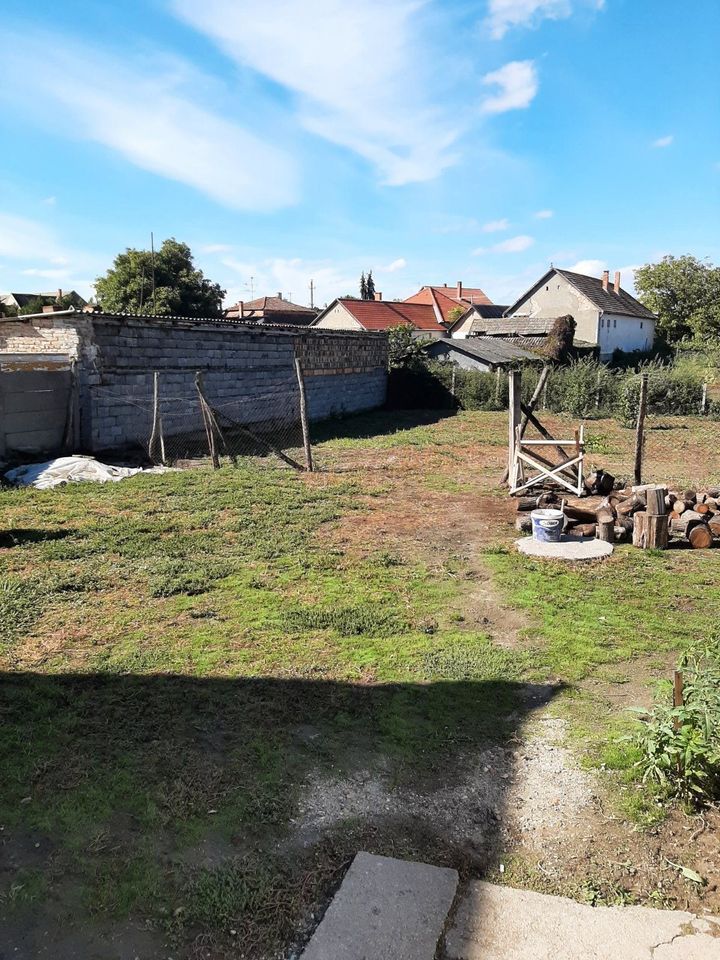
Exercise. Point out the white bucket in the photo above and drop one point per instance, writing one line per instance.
(547, 525)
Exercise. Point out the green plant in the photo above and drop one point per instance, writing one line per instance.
(680, 745)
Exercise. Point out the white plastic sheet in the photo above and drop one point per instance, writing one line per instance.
(55, 473)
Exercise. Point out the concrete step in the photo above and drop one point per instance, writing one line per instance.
(385, 909)
(500, 923)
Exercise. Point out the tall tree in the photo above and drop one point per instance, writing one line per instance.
(370, 287)
(685, 294)
(180, 288)
(363, 286)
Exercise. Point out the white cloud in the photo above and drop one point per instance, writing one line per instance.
(591, 268)
(146, 110)
(663, 141)
(359, 72)
(495, 226)
(215, 248)
(512, 245)
(47, 274)
(291, 277)
(23, 239)
(505, 14)
(50, 201)
(544, 214)
(517, 84)
(398, 264)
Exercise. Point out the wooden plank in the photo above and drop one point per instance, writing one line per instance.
(514, 386)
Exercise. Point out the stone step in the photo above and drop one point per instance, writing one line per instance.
(385, 909)
(501, 923)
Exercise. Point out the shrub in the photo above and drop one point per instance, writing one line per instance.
(680, 746)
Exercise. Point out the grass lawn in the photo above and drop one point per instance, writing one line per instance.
(183, 653)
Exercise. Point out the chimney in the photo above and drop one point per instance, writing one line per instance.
(59, 296)
(378, 296)
(241, 307)
(617, 282)
(459, 290)
(48, 308)
(279, 295)
(605, 279)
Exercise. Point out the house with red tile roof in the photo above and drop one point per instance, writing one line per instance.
(445, 300)
(347, 313)
(271, 310)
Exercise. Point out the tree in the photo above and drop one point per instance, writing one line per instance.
(363, 286)
(7, 310)
(35, 305)
(370, 287)
(560, 339)
(180, 288)
(406, 351)
(684, 292)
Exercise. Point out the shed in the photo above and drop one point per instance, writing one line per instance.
(480, 353)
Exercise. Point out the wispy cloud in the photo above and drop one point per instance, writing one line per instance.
(145, 111)
(398, 264)
(359, 72)
(512, 245)
(517, 85)
(591, 268)
(24, 239)
(544, 214)
(50, 201)
(291, 276)
(495, 226)
(504, 14)
(663, 141)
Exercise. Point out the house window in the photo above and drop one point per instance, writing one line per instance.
(547, 288)
(602, 321)
(614, 322)
(641, 323)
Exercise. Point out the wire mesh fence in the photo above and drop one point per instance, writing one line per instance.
(177, 421)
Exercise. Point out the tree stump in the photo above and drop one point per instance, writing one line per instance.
(650, 532)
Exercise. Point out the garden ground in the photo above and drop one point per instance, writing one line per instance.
(218, 686)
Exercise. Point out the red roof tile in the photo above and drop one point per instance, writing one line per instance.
(446, 297)
(384, 314)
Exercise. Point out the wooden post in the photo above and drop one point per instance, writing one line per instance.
(678, 697)
(498, 374)
(514, 386)
(452, 380)
(640, 429)
(209, 432)
(703, 402)
(156, 437)
(304, 416)
(527, 412)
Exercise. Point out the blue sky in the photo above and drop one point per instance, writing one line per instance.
(311, 139)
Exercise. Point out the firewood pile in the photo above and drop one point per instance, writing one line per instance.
(649, 515)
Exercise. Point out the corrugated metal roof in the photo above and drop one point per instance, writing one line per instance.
(512, 326)
(493, 350)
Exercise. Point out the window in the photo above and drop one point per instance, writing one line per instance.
(614, 322)
(641, 323)
(602, 321)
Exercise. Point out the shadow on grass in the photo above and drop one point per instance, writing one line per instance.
(19, 537)
(377, 423)
(188, 808)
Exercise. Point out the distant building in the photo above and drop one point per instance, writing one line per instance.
(473, 322)
(605, 315)
(480, 353)
(52, 299)
(347, 313)
(445, 300)
(272, 310)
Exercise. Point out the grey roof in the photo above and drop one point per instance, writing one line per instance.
(592, 288)
(513, 326)
(492, 350)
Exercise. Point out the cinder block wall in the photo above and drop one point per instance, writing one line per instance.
(248, 373)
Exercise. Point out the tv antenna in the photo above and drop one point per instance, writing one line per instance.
(250, 285)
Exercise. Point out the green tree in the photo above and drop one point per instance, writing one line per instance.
(406, 351)
(35, 305)
(363, 286)
(370, 287)
(180, 288)
(684, 292)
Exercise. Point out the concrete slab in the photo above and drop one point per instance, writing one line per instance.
(500, 923)
(568, 548)
(385, 909)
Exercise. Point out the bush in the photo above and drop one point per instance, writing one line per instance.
(680, 746)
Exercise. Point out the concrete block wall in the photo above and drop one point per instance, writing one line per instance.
(248, 373)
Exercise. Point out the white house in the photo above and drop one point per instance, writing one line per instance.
(605, 315)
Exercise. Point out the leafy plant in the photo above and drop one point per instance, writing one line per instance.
(680, 745)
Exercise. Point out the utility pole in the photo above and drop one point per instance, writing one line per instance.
(152, 261)
(312, 294)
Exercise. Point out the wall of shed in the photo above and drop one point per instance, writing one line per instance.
(443, 351)
(557, 298)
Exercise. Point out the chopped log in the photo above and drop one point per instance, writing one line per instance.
(605, 515)
(714, 525)
(630, 506)
(582, 530)
(689, 495)
(650, 531)
(713, 492)
(690, 515)
(681, 526)
(581, 514)
(526, 503)
(533, 503)
(622, 534)
(670, 500)
(523, 523)
(600, 482)
(606, 530)
(700, 537)
(655, 499)
(700, 497)
(712, 503)
(702, 508)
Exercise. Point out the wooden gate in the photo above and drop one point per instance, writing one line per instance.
(36, 406)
